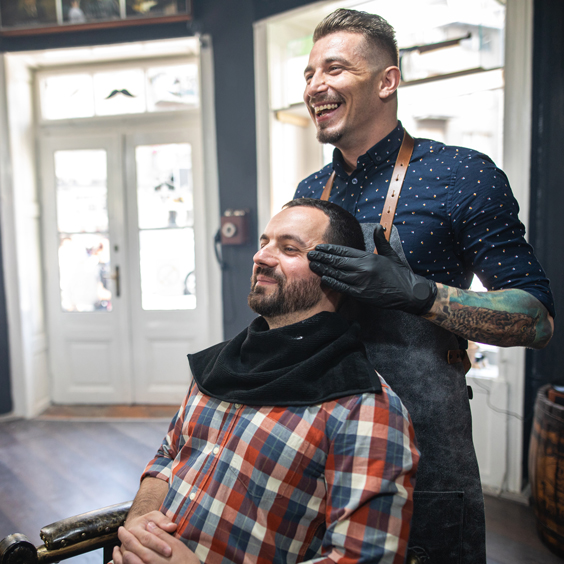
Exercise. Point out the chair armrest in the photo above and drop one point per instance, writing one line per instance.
(66, 538)
(86, 526)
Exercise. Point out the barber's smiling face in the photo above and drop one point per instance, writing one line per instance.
(341, 90)
(282, 281)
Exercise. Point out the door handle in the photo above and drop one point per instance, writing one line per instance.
(116, 279)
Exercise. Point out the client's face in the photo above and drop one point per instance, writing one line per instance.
(282, 282)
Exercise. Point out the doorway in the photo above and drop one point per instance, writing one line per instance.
(114, 208)
(126, 285)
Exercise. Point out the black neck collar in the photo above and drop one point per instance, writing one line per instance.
(306, 363)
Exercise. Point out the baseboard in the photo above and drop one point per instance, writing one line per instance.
(522, 497)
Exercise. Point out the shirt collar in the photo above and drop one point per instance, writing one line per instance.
(378, 154)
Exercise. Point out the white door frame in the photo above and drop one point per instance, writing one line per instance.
(20, 219)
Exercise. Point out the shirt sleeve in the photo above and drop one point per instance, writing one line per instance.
(370, 474)
(161, 465)
(490, 238)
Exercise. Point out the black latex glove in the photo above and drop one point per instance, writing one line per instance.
(381, 280)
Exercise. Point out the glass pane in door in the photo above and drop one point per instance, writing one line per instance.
(82, 222)
(166, 226)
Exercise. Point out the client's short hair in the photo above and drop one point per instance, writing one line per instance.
(344, 229)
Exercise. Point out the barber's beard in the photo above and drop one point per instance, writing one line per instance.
(328, 135)
(300, 295)
(331, 137)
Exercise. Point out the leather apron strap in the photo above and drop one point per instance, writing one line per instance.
(327, 190)
(389, 212)
(398, 176)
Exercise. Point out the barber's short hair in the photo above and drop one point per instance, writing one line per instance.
(379, 34)
(344, 229)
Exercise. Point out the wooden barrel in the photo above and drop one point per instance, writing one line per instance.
(546, 470)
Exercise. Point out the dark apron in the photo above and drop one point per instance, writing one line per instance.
(411, 355)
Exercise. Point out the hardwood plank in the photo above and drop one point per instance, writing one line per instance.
(511, 534)
(51, 469)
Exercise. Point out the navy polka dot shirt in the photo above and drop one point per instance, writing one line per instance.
(456, 214)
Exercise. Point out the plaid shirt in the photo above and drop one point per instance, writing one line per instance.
(324, 483)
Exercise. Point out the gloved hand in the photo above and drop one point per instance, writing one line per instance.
(381, 280)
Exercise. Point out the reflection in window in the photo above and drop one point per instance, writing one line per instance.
(67, 96)
(84, 268)
(82, 220)
(167, 269)
(123, 91)
(155, 7)
(171, 88)
(24, 13)
(166, 218)
(83, 11)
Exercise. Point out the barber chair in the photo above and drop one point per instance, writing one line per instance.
(69, 537)
(84, 533)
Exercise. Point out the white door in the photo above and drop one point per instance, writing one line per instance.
(126, 260)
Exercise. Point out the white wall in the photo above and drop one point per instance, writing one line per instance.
(21, 242)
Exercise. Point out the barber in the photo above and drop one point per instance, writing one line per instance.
(455, 216)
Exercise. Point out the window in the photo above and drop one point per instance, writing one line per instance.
(80, 94)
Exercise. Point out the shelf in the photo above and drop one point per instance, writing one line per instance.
(57, 8)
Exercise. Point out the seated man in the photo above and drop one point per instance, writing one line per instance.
(288, 447)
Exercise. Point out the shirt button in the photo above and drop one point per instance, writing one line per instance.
(192, 496)
(354, 180)
(237, 405)
(216, 450)
(378, 158)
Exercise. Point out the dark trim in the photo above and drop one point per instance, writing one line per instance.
(6, 404)
(71, 28)
(546, 228)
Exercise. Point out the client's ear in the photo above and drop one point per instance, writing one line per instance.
(335, 298)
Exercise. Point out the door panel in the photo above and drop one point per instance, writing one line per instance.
(83, 232)
(166, 229)
(127, 263)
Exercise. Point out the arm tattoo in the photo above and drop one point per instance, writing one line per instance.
(505, 318)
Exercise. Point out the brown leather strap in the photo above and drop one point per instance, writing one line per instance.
(459, 355)
(398, 176)
(328, 187)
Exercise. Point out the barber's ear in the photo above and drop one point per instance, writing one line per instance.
(390, 82)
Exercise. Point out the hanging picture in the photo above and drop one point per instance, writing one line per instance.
(84, 11)
(18, 17)
(28, 13)
(155, 7)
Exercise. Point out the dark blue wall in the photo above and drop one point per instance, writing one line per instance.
(546, 231)
(231, 26)
(5, 384)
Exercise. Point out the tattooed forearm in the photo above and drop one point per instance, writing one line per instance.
(505, 318)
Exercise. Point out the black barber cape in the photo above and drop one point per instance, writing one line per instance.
(306, 363)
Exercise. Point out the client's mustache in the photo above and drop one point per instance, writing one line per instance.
(269, 272)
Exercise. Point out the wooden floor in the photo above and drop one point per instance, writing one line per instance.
(54, 468)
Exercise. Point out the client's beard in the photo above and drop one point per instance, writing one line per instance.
(300, 295)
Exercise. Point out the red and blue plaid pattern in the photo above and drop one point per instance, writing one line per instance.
(324, 483)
